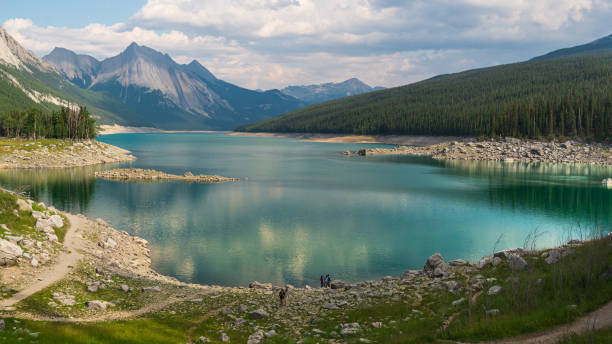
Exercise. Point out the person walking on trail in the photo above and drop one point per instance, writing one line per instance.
(282, 295)
(329, 281)
(322, 282)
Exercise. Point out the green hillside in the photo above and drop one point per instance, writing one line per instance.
(560, 97)
(106, 108)
(598, 46)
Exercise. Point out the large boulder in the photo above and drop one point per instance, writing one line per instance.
(516, 262)
(337, 284)
(57, 221)
(23, 205)
(259, 313)
(9, 252)
(436, 266)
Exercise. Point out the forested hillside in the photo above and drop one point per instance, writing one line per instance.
(567, 97)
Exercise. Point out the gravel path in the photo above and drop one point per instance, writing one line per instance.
(66, 261)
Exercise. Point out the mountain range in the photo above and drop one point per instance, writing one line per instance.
(144, 87)
(323, 92)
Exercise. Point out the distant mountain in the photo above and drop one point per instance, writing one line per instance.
(319, 93)
(601, 45)
(26, 82)
(170, 95)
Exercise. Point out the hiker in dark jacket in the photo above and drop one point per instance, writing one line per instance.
(282, 294)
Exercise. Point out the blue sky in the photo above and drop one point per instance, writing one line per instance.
(274, 43)
(71, 13)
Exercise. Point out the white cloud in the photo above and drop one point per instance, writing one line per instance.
(274, 43)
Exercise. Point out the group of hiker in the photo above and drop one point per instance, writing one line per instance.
(325, 281)
(283, 294)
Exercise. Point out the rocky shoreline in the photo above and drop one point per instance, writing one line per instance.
(19, 153)
(153, 175)
(507, 150)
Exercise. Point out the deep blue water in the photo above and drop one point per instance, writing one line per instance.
(307, 210)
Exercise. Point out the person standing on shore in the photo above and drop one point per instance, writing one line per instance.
(281, 295)
(322, 281)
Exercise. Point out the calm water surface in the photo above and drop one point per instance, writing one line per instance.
(306, 209)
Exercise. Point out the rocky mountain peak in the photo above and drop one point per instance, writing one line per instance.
(13, 54)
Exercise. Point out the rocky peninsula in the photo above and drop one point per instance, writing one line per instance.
(153, 175)
(54, 153)
(507, 150)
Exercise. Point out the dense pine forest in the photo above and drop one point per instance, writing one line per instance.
(566, 97)
(62, 124)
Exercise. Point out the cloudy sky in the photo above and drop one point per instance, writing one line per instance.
(274, 43)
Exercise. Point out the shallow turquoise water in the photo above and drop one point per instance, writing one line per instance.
(307, 210)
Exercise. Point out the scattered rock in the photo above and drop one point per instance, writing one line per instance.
(92, 288)
(57, 221)
(124, 288)
(458, 302)
(256, 337)
(98, 305)
(23, 205)
(257, 285)
(66, 300)
(494, 290)
(457, 262)
(270, 334)
(154, 289)
(224, 338)
(350, 329)
(259, 313)
(9, 252)
(203, 339)
(436, 266)
(516, 262)
(337, 284)
(109, 243)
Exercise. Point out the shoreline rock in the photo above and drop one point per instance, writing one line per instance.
(61, 154)
(508, 150)
(127, 174)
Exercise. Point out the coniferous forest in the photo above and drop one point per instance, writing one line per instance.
(567, 97)
(62, 124)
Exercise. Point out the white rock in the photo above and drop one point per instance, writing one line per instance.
(23, 205)
(494, 290)
(98, 305)
(57, 221)
(9, 252)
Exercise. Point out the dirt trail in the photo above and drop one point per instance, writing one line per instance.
(593, 321)
(67, 259)
(110, 316)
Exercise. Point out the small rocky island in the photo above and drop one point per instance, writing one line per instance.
(153, 175)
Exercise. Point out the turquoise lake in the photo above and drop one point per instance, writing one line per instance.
(308, 210)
